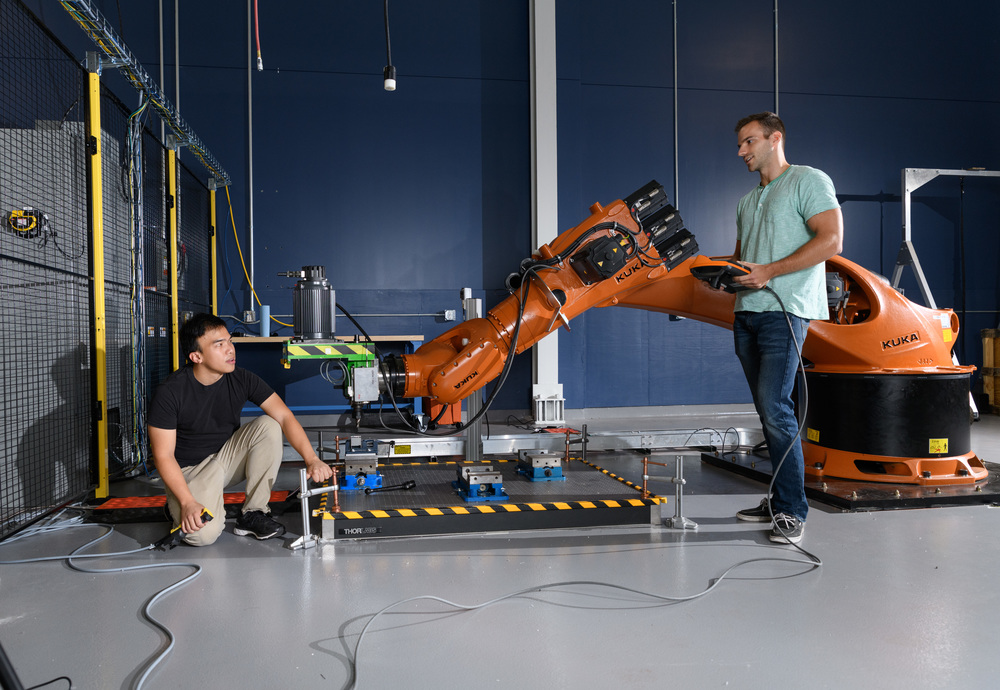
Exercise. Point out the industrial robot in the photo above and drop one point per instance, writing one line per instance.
(887, 403)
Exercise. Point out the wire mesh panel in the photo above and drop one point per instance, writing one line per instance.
(46, 370)
(157, 340)
(194, 272)
(154, 215)
(120, 174)
(156, 263)
(47, 413)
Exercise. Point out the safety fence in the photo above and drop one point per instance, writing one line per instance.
(105, 240)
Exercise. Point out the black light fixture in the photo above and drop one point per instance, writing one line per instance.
(389, 73)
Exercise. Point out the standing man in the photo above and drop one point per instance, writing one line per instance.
(199, 447)
(786, 228)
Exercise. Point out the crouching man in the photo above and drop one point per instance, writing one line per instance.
(199, 447)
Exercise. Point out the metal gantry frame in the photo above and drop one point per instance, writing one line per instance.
(914, 179)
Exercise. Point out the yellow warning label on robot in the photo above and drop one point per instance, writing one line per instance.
(946, 333)
(812, 435)
(938, 445)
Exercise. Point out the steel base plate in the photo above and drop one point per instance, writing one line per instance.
(589, 497)
(858, 496)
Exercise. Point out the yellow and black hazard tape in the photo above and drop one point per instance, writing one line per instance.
(326, 350)
(623, 481)
(494, 509)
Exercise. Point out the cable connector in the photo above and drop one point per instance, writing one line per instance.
(260, 64)
(389, 77)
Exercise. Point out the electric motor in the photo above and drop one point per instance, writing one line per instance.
(313, 304)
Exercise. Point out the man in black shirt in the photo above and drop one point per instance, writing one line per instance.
(199, 447)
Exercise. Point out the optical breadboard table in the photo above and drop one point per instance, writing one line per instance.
(589, 497)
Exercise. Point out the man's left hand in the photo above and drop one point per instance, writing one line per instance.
(756, 279)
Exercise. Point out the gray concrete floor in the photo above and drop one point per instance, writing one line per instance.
(903, 599)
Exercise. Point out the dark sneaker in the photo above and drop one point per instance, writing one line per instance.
(761, 513)
(787, 529)
(259, 525)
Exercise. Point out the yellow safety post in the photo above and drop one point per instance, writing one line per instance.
(175, 350)
(211, 245)
(97, 266)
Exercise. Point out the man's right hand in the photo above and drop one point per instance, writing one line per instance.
(191, 517)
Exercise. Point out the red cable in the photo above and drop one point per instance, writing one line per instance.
(256, 25)
(256, 29)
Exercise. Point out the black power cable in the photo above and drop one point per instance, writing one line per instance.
(961, 245)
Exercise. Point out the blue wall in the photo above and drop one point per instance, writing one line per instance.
(407, 197)
(866, 89)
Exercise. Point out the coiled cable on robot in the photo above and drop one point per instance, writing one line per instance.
(613, 226)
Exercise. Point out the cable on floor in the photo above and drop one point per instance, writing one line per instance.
(55, 526)
(811, 559)
(813, 562)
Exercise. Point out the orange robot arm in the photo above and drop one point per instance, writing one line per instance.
(872, 328)
(636, 253)
(888, 403)
(628, 244)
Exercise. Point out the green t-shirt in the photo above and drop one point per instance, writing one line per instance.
(770, 225)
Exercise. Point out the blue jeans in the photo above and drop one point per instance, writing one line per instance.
(770, 359)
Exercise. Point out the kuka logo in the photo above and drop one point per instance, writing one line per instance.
(626, 273)
(900, 340)
(466, 380)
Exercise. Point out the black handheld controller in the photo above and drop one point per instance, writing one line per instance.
(719, 273)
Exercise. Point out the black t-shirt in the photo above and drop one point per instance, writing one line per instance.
(204, 416)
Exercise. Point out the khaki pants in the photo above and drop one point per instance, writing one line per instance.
(252, 453)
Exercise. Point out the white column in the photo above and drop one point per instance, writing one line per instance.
(546, 390)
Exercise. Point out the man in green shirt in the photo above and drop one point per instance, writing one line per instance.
(787, 227)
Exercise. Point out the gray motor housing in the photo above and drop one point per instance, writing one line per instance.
(313, 305)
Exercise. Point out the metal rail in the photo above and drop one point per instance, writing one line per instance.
(405, 448)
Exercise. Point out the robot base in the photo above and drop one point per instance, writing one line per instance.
(896, 428)
(828, 462)
(853, 495)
